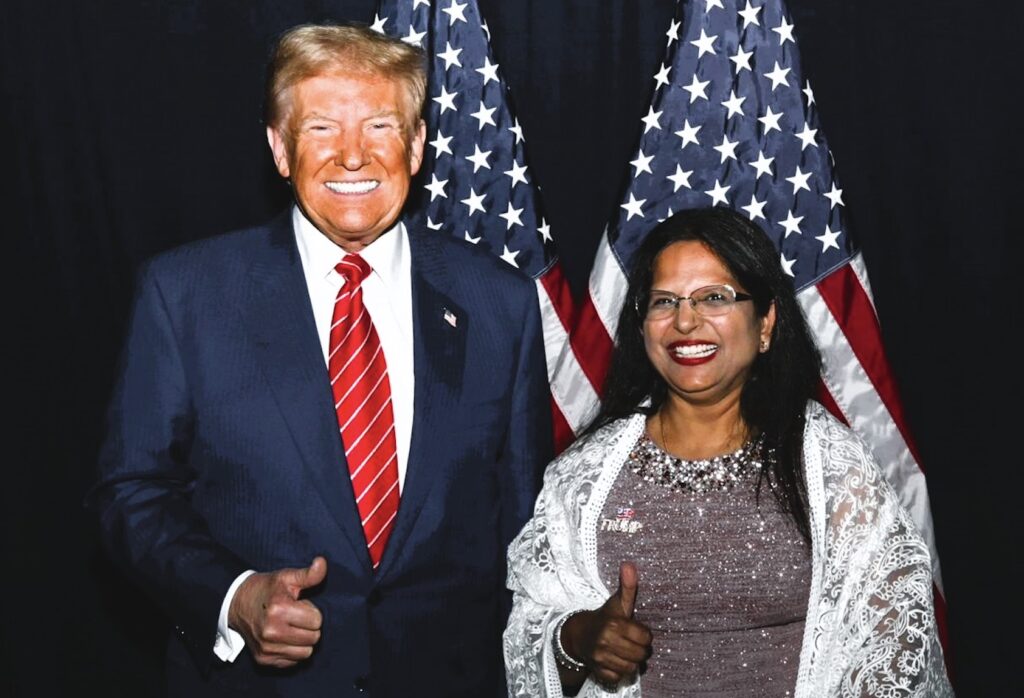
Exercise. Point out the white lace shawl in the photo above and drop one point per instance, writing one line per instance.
(870, 627)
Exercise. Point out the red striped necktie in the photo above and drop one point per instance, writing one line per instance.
(362, 400)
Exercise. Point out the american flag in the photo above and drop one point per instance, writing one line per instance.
(731, 123)
(476, 183)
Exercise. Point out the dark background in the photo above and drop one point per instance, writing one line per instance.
(130, 127)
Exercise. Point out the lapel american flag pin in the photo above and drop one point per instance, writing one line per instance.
(450, 318)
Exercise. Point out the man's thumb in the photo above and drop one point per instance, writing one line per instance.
(309, 576)
(628, 578)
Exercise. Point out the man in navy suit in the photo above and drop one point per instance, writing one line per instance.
(225, 488)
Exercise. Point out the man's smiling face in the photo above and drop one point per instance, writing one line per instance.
(350, 152)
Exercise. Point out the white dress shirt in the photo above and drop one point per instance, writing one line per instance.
(387, 293)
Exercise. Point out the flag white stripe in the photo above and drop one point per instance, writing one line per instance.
(570, 387)
(861, 272)
(608, 285)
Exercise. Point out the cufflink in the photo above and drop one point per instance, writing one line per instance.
(450, 318)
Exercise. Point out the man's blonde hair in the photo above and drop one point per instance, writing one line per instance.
(309, 50)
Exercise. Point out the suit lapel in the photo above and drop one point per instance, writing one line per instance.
(439, 342)
(280, 320)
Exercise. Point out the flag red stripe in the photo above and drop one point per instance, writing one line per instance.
(850, 306)
(592, 345)
(830, 404)
(562, 431)
(559, 294)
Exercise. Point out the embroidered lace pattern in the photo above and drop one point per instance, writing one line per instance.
(870, 630)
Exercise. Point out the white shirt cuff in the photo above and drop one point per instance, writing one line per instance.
(229, 643)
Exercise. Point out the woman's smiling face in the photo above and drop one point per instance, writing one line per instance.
(702, 359)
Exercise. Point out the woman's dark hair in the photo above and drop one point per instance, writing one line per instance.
(782, 379)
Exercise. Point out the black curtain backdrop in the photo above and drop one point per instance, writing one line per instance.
(130, 127)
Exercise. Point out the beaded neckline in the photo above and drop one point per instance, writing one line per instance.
(722, 472)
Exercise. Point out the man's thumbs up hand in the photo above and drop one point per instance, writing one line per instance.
(298, 580)
(279, 626)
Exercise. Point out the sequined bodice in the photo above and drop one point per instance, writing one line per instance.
(724, 582)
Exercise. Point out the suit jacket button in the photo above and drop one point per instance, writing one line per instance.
(374, 598)
(360, 683)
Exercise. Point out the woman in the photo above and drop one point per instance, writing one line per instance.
(715, 532)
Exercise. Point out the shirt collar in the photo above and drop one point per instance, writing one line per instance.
(385, 255)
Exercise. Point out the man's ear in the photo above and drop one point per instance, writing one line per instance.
(419, 137)
(279, 149)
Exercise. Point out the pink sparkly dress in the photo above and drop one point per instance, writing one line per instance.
(724, 577)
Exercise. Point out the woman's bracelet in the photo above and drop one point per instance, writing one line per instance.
(561, 656)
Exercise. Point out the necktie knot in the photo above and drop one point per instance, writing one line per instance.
(354, 268)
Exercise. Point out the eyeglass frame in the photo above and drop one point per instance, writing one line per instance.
(677, 301)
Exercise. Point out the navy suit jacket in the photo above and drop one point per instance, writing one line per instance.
(223, 454)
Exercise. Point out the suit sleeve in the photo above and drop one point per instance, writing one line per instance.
(143, 492)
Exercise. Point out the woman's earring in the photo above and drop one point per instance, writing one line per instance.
(764, 345)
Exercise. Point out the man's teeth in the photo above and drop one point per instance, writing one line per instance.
(353, 187)
(695, 350)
